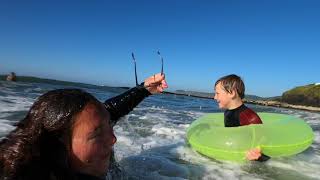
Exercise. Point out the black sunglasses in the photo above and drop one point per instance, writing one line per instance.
(135, 65)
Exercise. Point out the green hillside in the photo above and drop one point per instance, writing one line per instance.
(308, 95)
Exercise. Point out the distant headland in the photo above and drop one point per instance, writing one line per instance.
(305, 98)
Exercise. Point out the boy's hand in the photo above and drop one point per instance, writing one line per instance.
(156, 83)
(253, 154)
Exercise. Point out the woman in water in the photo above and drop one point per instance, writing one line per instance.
(68, 134)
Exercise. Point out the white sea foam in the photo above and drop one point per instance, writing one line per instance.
(5, 127)
(307, 168)
(15, 103)
(317, 137)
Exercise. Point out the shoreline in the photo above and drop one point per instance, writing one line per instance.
(271, 103)
(283, 105)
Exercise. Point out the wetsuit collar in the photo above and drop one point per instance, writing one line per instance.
(236, 107)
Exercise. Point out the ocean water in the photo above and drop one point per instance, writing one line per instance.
(152, 138)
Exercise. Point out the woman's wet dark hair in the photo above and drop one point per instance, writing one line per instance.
(36, 149)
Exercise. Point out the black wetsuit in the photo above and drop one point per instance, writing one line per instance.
(242, 116)
(124, 103)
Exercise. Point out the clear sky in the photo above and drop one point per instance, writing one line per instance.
(274, 45)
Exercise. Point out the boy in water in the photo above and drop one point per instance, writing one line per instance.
(229, 92)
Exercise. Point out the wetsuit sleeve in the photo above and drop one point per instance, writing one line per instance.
(248, 116)
(124, 103)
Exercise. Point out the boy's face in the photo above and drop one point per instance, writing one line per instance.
(222, 97)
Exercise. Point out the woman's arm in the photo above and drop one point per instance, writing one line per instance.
(124, 103)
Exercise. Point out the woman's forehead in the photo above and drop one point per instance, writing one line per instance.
(93, 113)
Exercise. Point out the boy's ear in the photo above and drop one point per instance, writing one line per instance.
(233, 94)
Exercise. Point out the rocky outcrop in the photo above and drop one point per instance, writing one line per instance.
(274, 101)
(283, 105)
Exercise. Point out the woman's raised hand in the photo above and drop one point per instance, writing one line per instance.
(156, 83)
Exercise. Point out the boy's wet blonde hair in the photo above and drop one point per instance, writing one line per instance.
(232, 82)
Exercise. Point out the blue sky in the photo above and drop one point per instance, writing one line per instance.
(273, 45)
